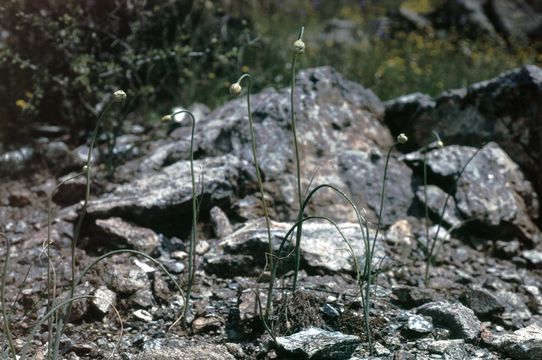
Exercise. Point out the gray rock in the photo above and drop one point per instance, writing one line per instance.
(482, 301)
(72, 191)
(505, 110)
(460, 320)
(143, 298)
(15, 161)
(491, 191)
(104, 300)
(221, 224)
(197, 352)
(206, 323)
(228, 265)
(315, 343)
(333, 115)
(534, 298)
(410, 296)
(363, 172)
(117, 233)
(321, 247)
(445, 349)
(418, 325)
(157, 200)
(436, 199)
(534, 257)
(523, 344)
(126, 279)
(517, 313)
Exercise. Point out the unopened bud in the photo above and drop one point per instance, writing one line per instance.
(402, 138)
(167, 118)
(299, 46)
(235, 89)
(119, 96)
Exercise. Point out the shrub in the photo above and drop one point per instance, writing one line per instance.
(59, 58)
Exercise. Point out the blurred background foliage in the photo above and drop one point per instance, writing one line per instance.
(60, 59)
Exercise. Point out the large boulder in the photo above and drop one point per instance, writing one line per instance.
(506, 110)
(491, 192)
(333, 115)
(160, 200)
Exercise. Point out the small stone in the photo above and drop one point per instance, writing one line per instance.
(461, 320)
(202, 247)
(314, 343)
(119, 233)
(103, 300)
(143, 315)
(418, 325)
(206, 324)
(409, 296)
(534, 257)
(482, 301)
(19, 198)
(220, 222)
(330, 311)
(143, 298)
(523, 344)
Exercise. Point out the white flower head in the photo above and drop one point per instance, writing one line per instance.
(119, 96)
(235, 89)
(402, 138)
(299, 46)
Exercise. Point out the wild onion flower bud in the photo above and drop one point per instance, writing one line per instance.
(299, 46)
(402, 138)
(167, 118)
(440, 144)
(119, 96)
(85, 168)
(235, 89)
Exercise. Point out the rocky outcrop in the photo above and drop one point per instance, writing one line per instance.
(491, 191)
(506, 110)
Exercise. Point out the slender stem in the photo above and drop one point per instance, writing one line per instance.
(435, 239)
(51, 296)
(5, 314)
(77, 231)
(270, 254)
(298, 171)
(193, 233)
(368, 263)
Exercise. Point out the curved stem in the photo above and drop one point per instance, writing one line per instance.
(298, 168)
(268, 306)
(193, 234)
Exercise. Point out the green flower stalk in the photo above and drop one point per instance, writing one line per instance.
(401, 139)
(119, 96)
(193, 234)
(299, 48)
(235, 90)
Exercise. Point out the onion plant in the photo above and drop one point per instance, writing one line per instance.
(193, 232)
(235, 89)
